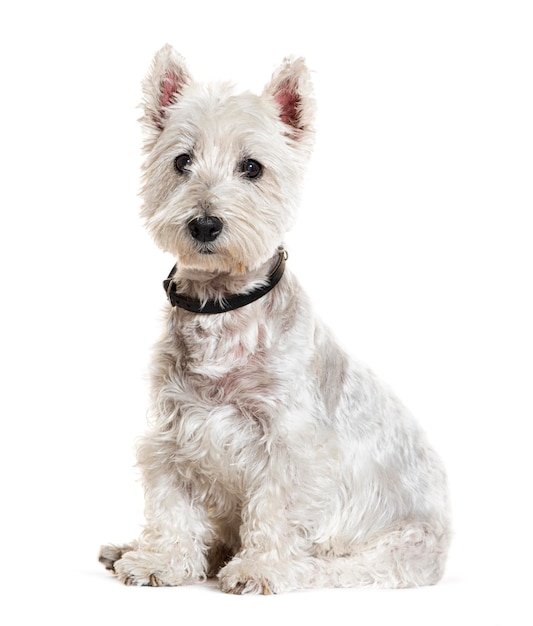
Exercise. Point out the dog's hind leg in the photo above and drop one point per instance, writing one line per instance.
(412, 554)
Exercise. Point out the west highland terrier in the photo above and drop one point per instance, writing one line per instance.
(273, 460)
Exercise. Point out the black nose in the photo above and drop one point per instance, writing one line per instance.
(205, 228)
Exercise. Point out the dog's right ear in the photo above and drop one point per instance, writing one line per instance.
(161, 88)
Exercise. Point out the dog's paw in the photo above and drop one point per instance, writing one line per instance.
(237, 587)
(252, 576)
(112, 553)
(153, 569)
(147, 569)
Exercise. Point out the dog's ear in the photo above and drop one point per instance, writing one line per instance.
(161, 88)
(292, 91)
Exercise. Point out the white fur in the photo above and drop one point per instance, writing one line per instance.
(273, 460)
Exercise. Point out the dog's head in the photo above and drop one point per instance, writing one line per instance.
(223, 170)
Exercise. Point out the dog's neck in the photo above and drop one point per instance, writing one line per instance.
(208, 293)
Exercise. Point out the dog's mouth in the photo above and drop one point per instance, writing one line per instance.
(206, 249)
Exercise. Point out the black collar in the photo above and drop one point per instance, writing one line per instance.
(230, 302)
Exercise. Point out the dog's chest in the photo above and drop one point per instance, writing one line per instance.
(219, 353)
(229, 387)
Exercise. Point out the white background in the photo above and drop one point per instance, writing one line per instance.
(414, 240)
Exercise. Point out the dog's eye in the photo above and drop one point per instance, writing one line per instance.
(251, 168)
(182, 163)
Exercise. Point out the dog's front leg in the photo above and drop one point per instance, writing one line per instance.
(272, 554)
(173, 546)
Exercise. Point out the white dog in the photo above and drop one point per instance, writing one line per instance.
(273, 460)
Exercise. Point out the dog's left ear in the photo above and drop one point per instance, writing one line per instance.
(167, 77)
(292, 91)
